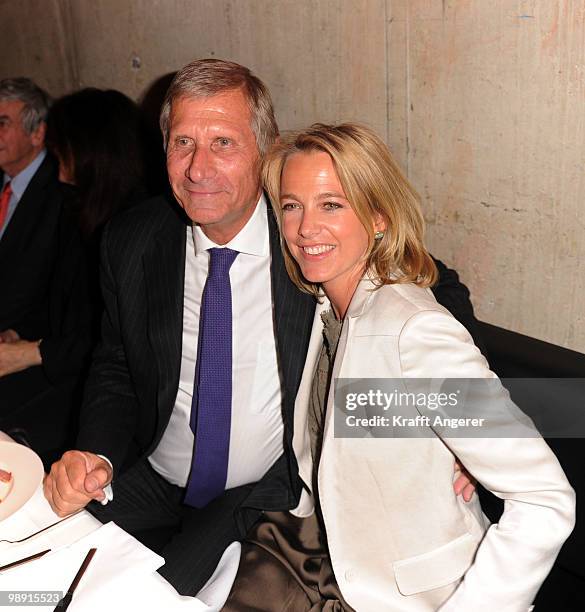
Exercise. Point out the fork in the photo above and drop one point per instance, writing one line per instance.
(36, 533)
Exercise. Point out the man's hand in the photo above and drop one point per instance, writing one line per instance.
(9, 335)
(465, 482)
(18, 355)
(76, 479)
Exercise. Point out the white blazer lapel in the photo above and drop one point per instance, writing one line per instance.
(356, 307)
(301, 443)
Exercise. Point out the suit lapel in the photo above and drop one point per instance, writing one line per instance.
(18, 232)
(293, 315)
(359, 302)
(301, 442)
(164, 273)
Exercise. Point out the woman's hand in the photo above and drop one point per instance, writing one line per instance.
(464, 483)
(18, 355)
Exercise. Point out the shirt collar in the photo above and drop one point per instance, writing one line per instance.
(252, 239)
(20, 182)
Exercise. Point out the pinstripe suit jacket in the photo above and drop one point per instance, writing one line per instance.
(134, 377)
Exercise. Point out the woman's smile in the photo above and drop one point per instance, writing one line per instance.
(321, 229)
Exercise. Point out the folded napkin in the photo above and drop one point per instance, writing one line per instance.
(122, 575)
(35, 515)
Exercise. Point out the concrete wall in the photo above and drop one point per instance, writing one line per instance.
(482, 103)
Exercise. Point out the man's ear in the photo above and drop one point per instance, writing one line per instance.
(38, 136)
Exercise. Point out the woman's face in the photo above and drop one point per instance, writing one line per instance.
(319, 225)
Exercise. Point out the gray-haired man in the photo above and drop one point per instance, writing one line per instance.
(23, 113)
(31, 233)
(151, 393)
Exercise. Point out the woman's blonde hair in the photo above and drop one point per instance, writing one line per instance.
(375, 188)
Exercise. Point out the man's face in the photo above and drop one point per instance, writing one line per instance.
(213, 162)
(17, 148)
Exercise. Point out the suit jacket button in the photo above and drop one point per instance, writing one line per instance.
(349, 575)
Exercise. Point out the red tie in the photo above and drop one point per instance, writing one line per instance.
(4, 199)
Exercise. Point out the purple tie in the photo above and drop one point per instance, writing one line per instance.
(211, 408)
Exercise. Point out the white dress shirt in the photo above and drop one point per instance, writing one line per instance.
(256, 436)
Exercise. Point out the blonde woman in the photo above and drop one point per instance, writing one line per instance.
(353, 235)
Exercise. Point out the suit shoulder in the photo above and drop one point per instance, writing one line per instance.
(44, 192)
(135, 227)
(150, 212)
(408, 298)
(391, 306)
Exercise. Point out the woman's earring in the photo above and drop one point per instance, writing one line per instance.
(378, 235)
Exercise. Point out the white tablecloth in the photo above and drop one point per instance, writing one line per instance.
(70, 541)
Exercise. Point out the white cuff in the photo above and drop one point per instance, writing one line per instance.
(108, 491)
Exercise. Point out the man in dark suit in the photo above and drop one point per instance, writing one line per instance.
(204, 341)
(29, 207)
(32, 239)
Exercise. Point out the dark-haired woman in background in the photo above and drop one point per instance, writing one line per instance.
(105, 150)
(109, 158)
(106, 156)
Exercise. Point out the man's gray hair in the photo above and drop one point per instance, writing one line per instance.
(208, 77)
(36, 101)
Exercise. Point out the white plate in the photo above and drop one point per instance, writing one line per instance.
(27, 474)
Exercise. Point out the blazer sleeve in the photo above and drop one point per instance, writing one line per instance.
(110, 408)
(517, 553)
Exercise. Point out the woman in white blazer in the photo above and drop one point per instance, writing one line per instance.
(353, 234)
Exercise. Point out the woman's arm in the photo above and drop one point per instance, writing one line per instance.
(517, 554)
